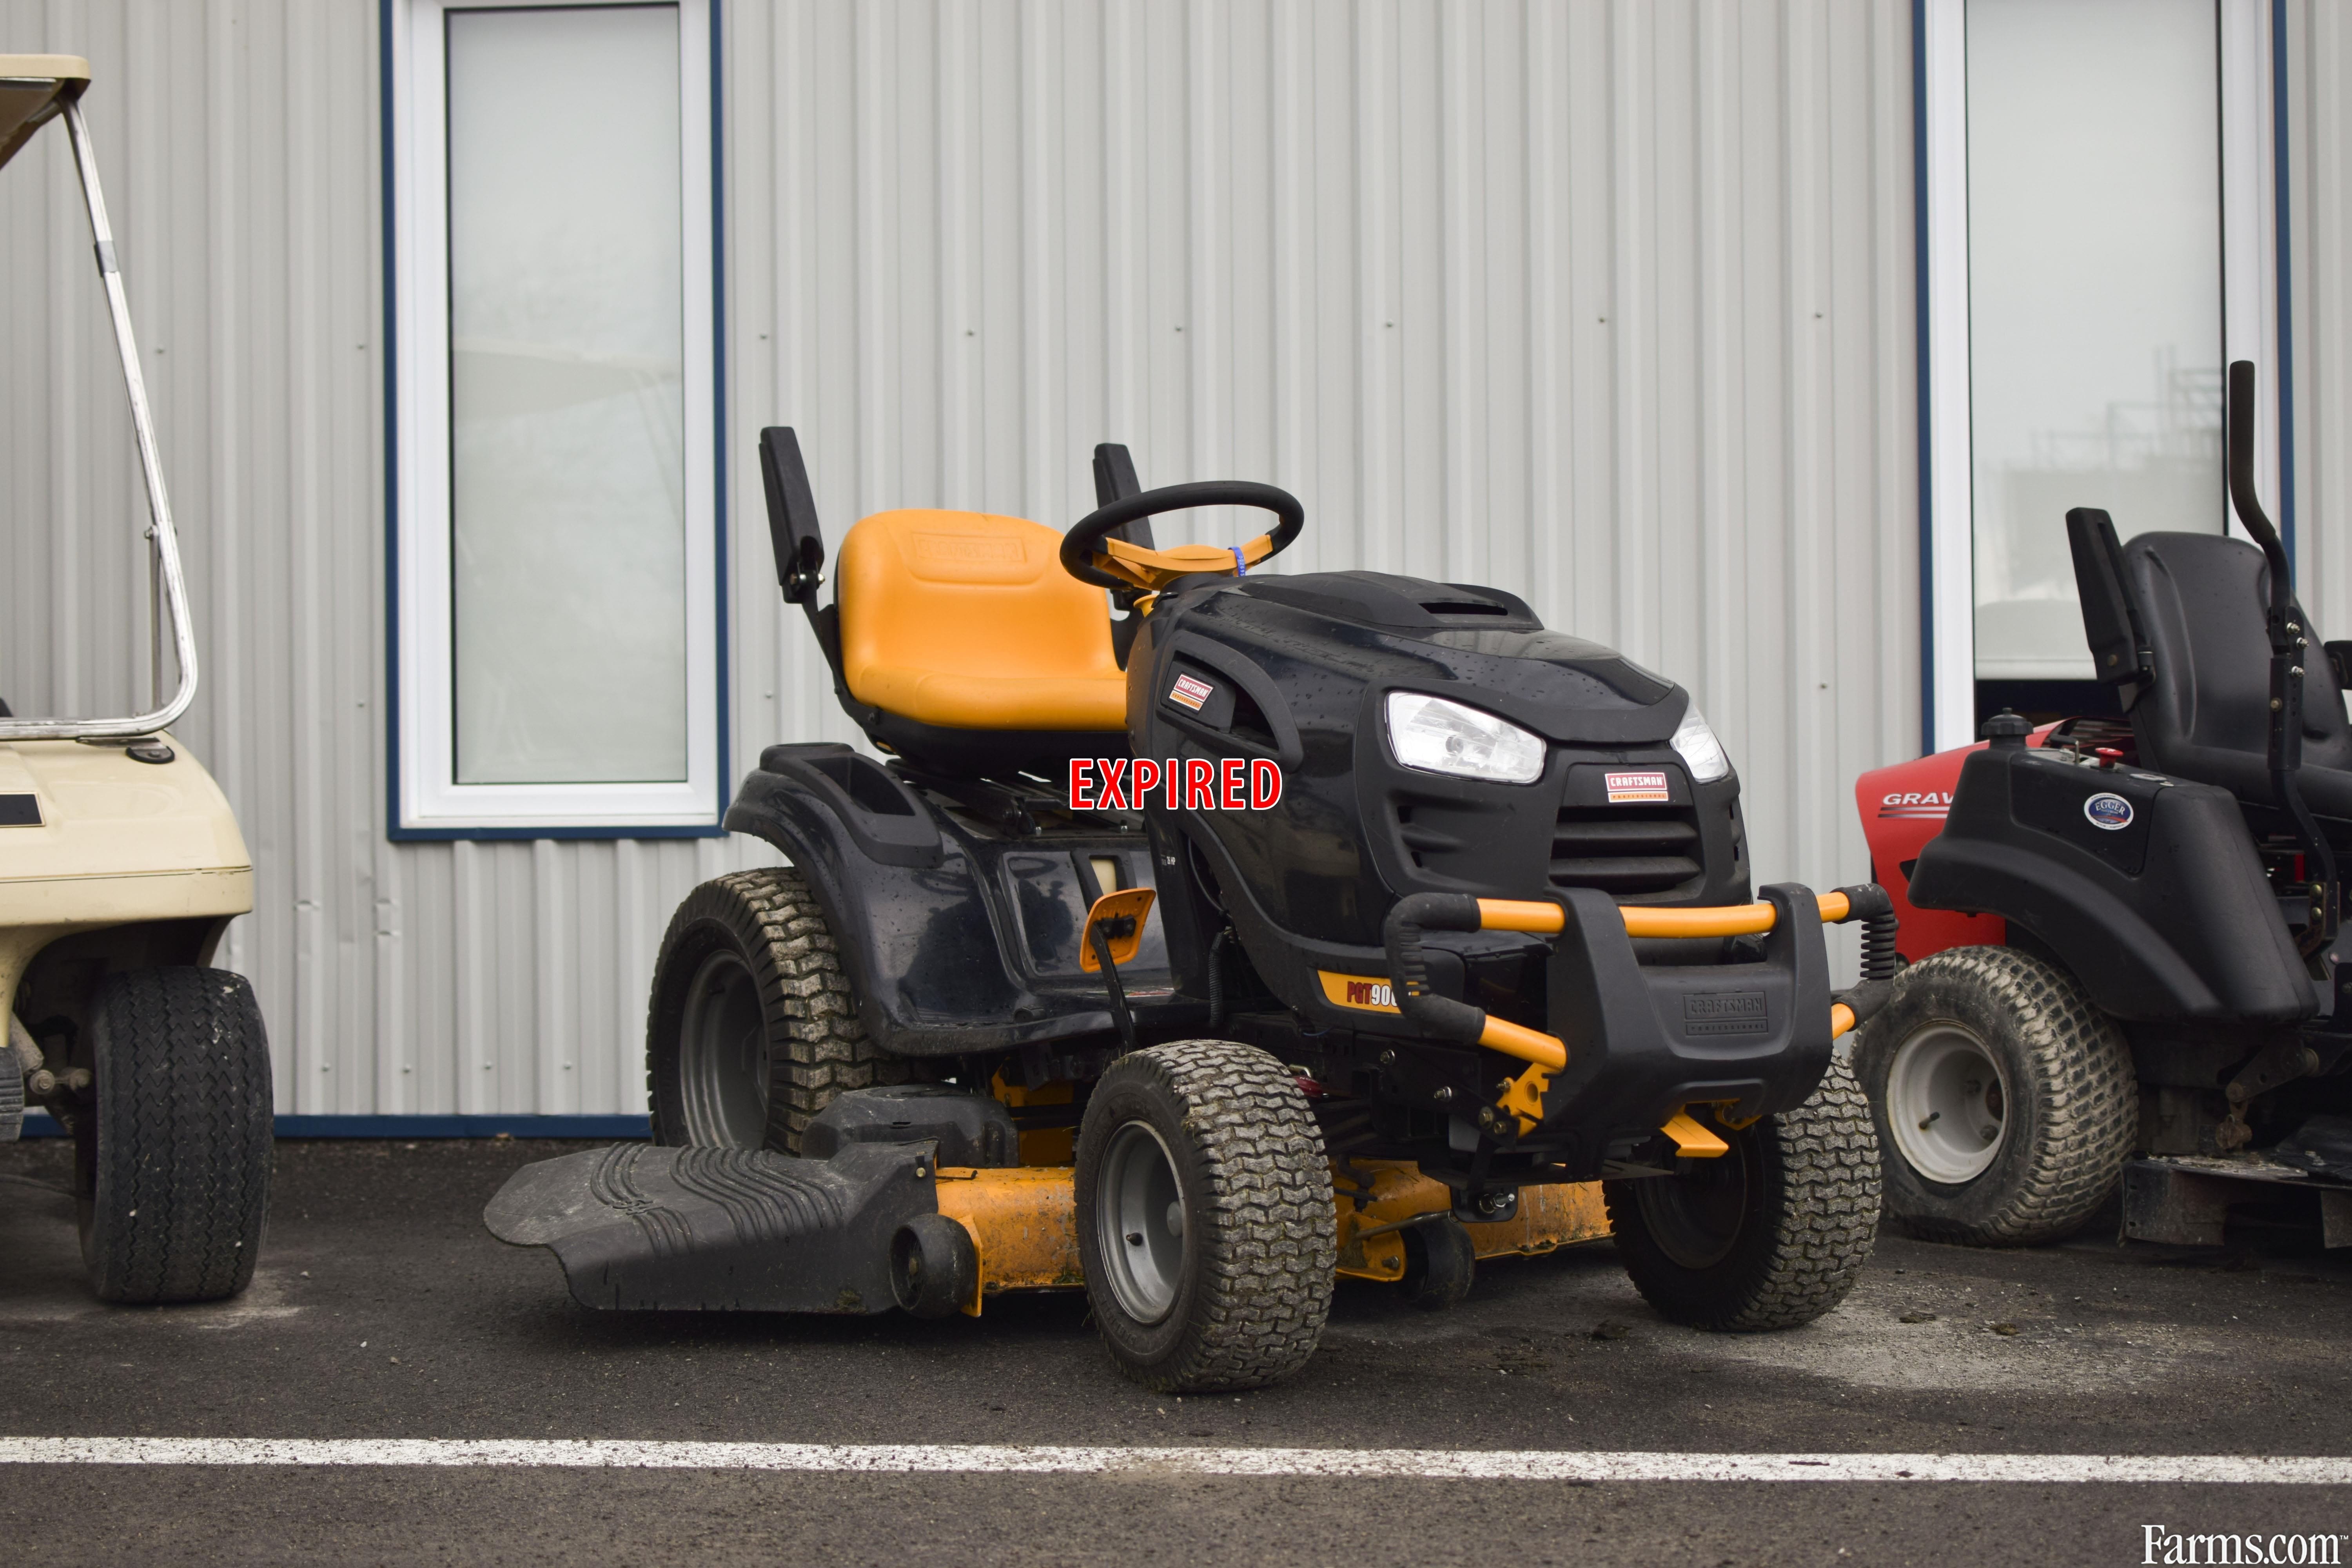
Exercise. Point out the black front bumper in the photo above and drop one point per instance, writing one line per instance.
(1643, 1039)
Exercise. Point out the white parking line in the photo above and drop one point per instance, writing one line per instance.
(982, 1458)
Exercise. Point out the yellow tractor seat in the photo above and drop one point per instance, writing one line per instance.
(964, 621)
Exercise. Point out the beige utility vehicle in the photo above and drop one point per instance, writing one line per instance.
(120, 867)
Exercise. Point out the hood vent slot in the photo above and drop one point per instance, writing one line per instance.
(1624, 851)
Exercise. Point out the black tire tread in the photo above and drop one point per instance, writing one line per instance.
(2091, 1091)
(179, 1187)
(1272, 1240)
(1829, 1210)
(1823, 1215)
(797, 963)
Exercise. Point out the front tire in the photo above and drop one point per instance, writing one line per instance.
(172, 1150)
(752, 1027)
(1205, 1219)
(2006, 1101)
(1769, 1235)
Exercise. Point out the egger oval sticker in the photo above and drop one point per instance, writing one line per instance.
(2108, 811)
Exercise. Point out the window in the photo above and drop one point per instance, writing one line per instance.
(2099, 244)
(556, 517)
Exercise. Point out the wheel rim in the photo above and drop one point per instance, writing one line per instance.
(1140, 1219)
(1695, 1214)
(723, 1056)
(1946, 1103)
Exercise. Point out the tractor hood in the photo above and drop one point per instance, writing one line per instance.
(1481, 646)
(1298, 671)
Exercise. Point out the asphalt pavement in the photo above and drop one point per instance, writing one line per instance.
(383, 1310)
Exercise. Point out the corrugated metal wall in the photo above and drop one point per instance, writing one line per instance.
(1607, 303)
(1610, 304)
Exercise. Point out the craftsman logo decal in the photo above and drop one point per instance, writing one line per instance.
(1365, 993)
(1725, 1013)
(1915, 803)
(2108, 811)
(1190, 691)
(1182, 783)
(1632, 789)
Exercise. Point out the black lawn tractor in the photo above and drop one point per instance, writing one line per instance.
(2124, 941)
(1277, 928)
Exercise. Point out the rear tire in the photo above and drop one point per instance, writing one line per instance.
(1205, 1219)
(1980, 1037)
(1769, 1235)
(752, 1027)
(173, 1149)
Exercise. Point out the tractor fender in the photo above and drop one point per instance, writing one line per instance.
(2148, 888)
(874, 875)
(921, 910)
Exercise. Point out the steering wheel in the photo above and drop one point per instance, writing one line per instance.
(1091, 556)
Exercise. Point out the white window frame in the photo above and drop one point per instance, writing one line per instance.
(429, 802)
(2250, 319)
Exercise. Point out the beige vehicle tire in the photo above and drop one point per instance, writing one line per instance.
(173, 1147)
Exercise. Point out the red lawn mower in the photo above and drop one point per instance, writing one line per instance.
(2119, 938)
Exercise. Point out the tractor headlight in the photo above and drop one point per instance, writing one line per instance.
(1441, 737)
(1701, 752)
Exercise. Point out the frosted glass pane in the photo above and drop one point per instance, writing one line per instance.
(566, 395)
(2094, 299)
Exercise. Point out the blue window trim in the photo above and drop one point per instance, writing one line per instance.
(38, 1124)
(386, 21)
(2280, 144)
(1925, 409)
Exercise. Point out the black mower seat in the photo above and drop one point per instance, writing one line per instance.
(2204, 709)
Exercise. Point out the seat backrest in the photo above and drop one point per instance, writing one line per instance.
(2199, 600)
(969, 594)
(2110, 618)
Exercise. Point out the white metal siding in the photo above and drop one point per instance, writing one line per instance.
(1608, 303)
